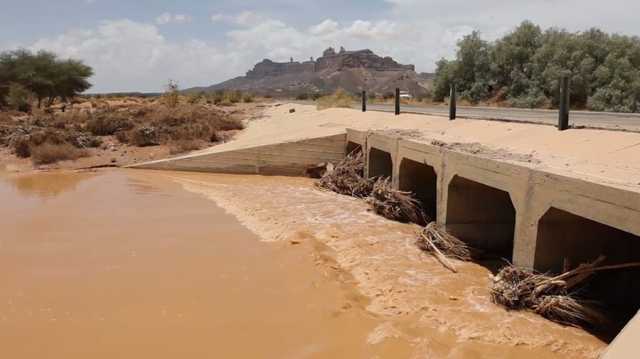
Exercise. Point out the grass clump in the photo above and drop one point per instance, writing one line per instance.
(340, 98)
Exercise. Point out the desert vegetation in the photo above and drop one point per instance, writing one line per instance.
(41, 77)
(51, 135)
(340, 98)
(523, 69)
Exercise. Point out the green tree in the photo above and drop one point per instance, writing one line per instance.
(524, 67)
(43, 74)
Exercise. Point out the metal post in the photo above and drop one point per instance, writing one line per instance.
(452, 102)
(364, 101)
(397, 101)
(563, 116)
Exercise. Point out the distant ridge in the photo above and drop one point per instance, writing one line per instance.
(353, 71)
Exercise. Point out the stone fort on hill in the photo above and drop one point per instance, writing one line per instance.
(330, 60)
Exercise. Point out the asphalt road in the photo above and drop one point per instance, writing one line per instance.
(621, 121)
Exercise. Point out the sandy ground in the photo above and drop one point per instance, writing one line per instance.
(608, 157)
(444, 315)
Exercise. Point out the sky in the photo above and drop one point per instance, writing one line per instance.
(139, 45)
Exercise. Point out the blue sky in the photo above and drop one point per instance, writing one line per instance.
(137, 45)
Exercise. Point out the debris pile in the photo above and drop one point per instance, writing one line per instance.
(396, 205)
(347, 177)
(552, 297)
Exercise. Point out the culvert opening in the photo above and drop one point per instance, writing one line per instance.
(482, 216)
(352, 147)
(380, 163)
(421, 180)
(566, 240)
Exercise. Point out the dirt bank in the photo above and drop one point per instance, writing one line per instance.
(440, 313)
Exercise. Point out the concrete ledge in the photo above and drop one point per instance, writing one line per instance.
(287, 159)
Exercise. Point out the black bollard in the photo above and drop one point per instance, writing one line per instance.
(452, 102)
(563, 116)
(364, 101)
(397, 101)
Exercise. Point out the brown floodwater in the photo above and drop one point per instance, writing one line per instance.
(120, 264)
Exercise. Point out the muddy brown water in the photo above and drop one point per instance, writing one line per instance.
(119, 264)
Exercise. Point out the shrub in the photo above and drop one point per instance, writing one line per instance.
(144, 136)
(171, 96)
(183, 146)
(303, 97)
(233, 96)
(340, 98)
(195, 98)
(248, 98)
(533, 99)
(21, 147)
(103, 125)
(47, 153)
(19, 98)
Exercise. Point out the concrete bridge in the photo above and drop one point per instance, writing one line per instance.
(533, 216)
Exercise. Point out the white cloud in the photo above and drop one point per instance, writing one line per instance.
(215, 18)
(169, 18)
(129, 55)
(326, 27)
(132, 56)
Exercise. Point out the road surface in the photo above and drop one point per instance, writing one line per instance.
(620, 121)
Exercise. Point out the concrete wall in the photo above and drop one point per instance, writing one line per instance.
(288, 159)
(532, 193)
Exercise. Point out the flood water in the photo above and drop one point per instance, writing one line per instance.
(120, 264)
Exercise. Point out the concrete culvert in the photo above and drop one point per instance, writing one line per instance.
(482, 216)
(421, 180)
(566, 240)
(352, 147)
(380, 163)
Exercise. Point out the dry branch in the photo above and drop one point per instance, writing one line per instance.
(434, 239)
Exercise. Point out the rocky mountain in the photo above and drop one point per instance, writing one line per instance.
(353, 71)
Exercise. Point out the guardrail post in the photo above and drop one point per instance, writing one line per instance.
(364, 101)
(452, 102)
(397, 101)
(563, 116)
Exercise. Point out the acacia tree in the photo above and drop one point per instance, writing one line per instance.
(43, 74)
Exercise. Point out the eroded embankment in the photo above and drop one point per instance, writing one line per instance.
(441, 313)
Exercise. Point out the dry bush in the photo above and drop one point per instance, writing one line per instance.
(21, 147)
(340, 98)
(183, 146)
(47, 153)
(144, 136)
(107, 124)
(248, 98)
